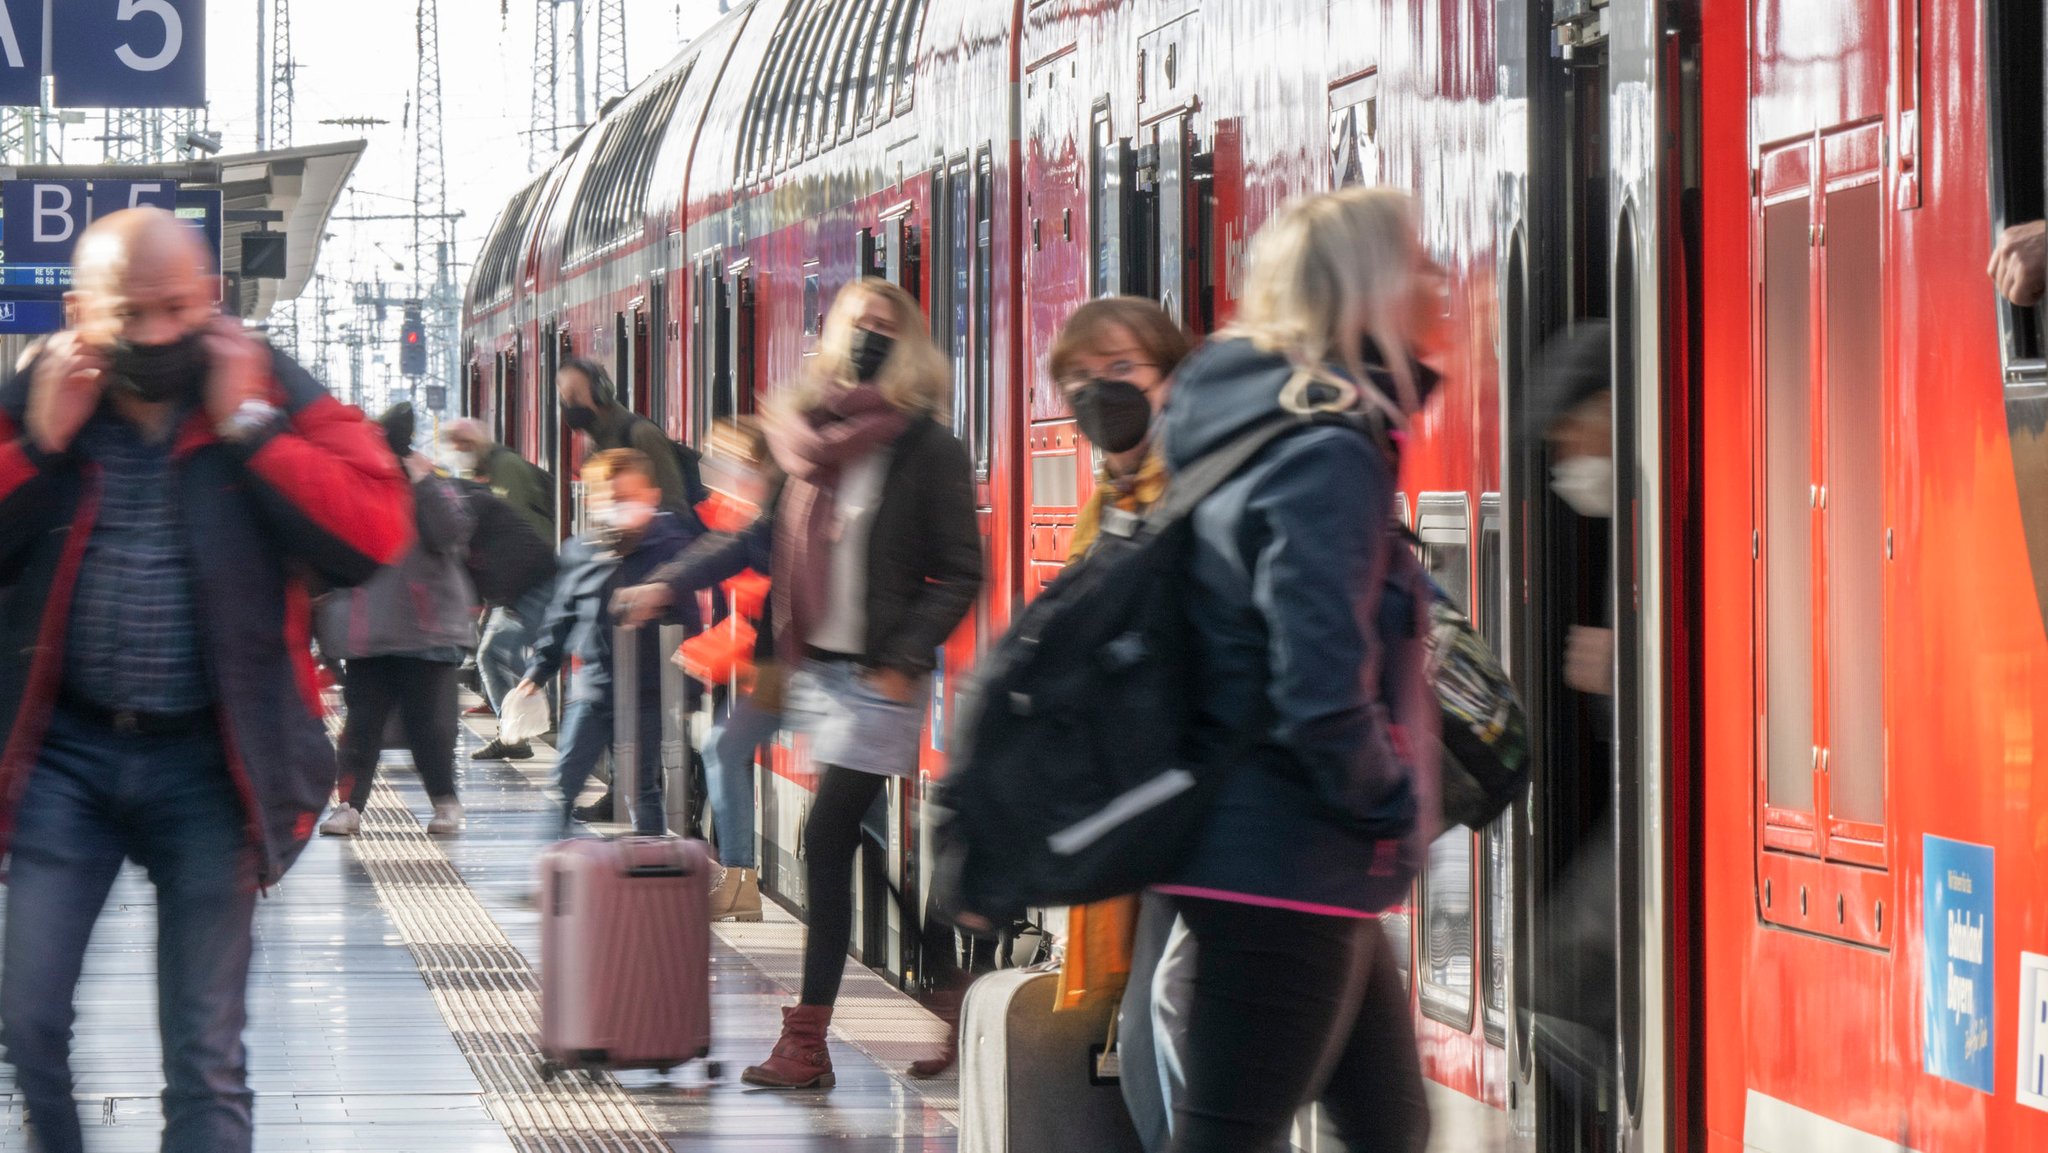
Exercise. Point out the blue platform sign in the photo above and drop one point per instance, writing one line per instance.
(1958, 1001)
(129, 53)
(45, 217)
(31, 317)
(21, 52)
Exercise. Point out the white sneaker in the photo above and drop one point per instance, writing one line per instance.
(344, 821)
(447, 818)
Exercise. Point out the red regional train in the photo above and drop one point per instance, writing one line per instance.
(1830, 555)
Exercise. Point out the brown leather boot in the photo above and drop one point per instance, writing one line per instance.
(947, 1006)
(800, 1060)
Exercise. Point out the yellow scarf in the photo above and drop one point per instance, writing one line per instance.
(1131, 494)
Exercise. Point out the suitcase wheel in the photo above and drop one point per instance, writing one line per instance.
(714, 1070)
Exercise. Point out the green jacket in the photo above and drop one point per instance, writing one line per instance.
(618, 427)
(525, 486)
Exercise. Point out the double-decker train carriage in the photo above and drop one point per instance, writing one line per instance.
(1821, 576)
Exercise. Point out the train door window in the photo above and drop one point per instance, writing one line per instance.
(1446, 893)
(622, 366)
(900, 255)
(1824, 445)
(1109, 176)
(1491, 603)
(501, 407)
(953, 280)
(2013, 43)
(981, 429)
(1789, 748)
(814, 302)
(1355, 131)
(737, 397)
(1853, 510)
(650, 333)
(1170, 177)
(712, 313)
(550, 404)
(514, 392)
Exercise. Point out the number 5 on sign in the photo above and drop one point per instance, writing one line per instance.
(128, 53)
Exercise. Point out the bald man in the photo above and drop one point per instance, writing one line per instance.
(169, 486)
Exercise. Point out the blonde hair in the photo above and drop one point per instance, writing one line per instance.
(1326, 273)
(915, 378)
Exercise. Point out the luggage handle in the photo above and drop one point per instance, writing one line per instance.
(651, 857)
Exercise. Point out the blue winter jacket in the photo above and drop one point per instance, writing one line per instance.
(1292, 560)
(579, 621)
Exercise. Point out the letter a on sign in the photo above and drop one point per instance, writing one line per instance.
(21, 52)
(129, 53)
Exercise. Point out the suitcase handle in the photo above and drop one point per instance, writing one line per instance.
(651, 857)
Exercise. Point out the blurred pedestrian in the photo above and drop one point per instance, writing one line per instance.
(513, 570)
(164, 708)
(1114, 362)
(590, 405)
(630, 537)
(748, 713)
(401, 638)
(877, 557)
(525, 486)
(1308, 612)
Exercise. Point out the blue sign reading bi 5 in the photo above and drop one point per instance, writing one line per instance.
(1958, 1002)
(21, 52)
(129, 53)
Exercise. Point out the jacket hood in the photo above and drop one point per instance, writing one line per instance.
(1225, 388)
(1230, 385)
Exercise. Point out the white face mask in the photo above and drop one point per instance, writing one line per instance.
(457, 461)
(623, 515)
(1586, 483)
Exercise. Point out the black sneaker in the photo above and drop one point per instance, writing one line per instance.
(596, 812)
(500, 751)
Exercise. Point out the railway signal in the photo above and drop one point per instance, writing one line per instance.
(412, 343)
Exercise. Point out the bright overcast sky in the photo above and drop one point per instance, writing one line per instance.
(357, 58)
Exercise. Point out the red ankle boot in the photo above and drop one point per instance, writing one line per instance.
(947, 1006)
(800, 1060)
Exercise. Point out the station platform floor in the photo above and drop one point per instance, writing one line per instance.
(393, 1005)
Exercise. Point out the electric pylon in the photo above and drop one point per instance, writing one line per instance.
(611, 50)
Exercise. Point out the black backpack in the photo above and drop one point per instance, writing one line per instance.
(1485, 761)
(1069, 779)
(506, 558)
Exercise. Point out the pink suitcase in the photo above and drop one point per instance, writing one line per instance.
(625, 935)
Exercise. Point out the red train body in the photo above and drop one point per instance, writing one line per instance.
(1823, 575)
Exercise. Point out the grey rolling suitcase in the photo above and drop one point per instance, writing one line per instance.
(1028, 1075)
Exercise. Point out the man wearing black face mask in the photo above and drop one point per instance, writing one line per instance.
(590, 407)
(168, 487)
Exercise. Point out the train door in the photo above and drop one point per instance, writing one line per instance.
(1566, 995)
(1174, 178)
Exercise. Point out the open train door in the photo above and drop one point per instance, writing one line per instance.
(1597, 1026)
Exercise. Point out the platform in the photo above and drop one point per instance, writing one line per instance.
(392, 1008)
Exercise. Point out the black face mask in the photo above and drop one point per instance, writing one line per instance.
(161, 372)
(580, 417)
(868, 352)
(1114, 414)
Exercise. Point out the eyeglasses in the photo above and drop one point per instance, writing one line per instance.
(1114, 370)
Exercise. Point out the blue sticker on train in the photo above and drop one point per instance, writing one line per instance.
(1959, 1000)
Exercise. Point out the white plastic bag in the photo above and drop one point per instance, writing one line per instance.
(525, 717)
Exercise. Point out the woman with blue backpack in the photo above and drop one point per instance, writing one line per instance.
(1310, 615)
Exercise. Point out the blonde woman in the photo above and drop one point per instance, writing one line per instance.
(1306, 607)
(876, 558)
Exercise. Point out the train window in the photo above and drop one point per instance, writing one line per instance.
(953, 281)
(1446, 889)
(713, 377)
(833, 67)
(1788, 513)
(611, 203)
(497, 269)
(814, 305)
(1853, 506)
(2013, 41)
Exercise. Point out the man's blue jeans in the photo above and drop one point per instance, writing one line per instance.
(507, 643)
(95, 798)
(729, 776)
(587, 731)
